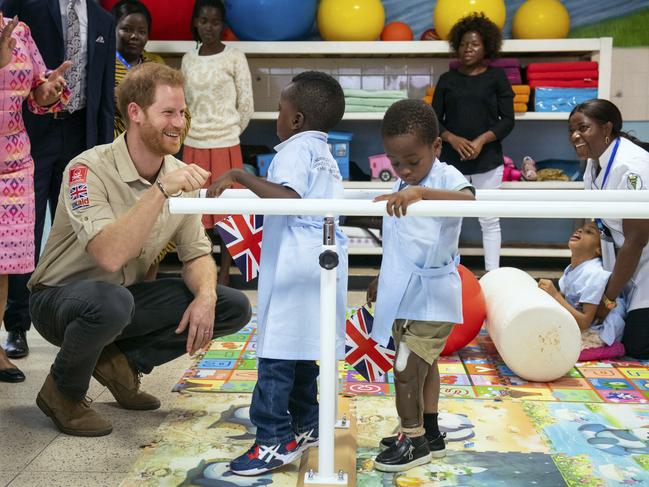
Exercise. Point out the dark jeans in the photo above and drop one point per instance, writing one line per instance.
(54, 143)
(85, 316)
(285, 400)
(636, 334)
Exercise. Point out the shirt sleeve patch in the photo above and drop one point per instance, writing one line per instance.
(79, 196)
(633, 181)
(78, 174)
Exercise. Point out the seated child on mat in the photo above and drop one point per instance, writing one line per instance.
(284, 404)
(581, 290)
(419, 295)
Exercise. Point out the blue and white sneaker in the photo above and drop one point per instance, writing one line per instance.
(307, 439)
(263, 458)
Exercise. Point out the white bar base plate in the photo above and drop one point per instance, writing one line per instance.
(313, 478)
(342, 424)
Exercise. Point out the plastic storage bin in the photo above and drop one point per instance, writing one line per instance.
(263, 162)
(339, 147)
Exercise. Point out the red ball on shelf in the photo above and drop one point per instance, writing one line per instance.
(228, 35)
(170, 18)
(429, 35)
(397, 31)
(474, 311)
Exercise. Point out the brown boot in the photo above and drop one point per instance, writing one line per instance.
(114, 372)
(70, 416)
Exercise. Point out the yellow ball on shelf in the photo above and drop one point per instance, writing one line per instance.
(448, 12)
(541, 19)
(350, 20)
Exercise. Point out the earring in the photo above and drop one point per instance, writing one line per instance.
(607, 140)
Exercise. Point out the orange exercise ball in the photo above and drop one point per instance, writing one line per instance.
(397, 31)
(541, 19)
(474, 312)
(448, 12)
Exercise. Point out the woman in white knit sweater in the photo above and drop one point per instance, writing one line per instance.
(219, 96)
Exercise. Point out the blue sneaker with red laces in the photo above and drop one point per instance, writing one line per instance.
(264, 458)
(307, 439)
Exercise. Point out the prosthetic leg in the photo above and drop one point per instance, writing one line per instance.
(411, 446)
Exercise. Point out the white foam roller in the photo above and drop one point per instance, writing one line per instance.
(537, 338)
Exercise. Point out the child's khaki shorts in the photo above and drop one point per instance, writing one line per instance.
(425, 338)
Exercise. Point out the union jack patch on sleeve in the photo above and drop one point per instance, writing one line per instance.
(79, 196)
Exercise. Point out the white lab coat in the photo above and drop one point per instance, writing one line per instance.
(631, 166)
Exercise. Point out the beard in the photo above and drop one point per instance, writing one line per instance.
(157, 142)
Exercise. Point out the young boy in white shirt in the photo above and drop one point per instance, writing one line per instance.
(284, 404)
(581, 290)
(419, 295)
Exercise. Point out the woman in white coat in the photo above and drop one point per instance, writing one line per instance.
(617, 160)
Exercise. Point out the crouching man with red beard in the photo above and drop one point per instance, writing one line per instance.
(89, 295)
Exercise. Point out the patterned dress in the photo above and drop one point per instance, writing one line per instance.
(18, 79)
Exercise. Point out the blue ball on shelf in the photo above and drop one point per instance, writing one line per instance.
(270, 20)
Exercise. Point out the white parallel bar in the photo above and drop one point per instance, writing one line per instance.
(449, 208)
(328, 370)
(541, 195)
(563, 195)
(466, 251)
(509, 185)
(379, 116)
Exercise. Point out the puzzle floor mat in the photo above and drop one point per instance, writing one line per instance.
(475, 372)
(506, 443)
(196, 442)
(489, 443)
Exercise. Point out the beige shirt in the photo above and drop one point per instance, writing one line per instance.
(98, 187)
(218, 90)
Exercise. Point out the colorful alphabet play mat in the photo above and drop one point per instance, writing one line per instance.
(590, 428)
(476, 371)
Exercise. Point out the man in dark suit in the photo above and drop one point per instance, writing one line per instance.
(62, 29)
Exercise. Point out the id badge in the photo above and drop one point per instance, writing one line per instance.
(608, 252)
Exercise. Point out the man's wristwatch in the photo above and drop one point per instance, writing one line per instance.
(608, 304)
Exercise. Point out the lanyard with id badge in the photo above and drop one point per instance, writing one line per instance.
(608, 245)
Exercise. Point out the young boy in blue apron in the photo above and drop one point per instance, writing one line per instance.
(419, 289)
(284, 404)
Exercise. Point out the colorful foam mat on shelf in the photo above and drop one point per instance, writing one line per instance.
(476, 371)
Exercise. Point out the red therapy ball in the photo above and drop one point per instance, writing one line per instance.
(396, 31)
(474, 311)
(228, 35)
(429, 35)
(170, 18)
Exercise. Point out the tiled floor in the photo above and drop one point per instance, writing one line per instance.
(34, 453)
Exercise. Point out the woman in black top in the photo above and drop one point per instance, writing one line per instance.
(475, 107)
